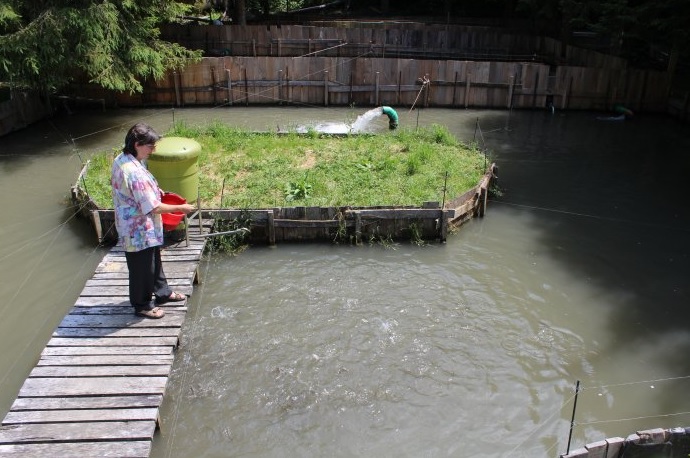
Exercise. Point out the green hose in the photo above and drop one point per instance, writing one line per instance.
(392, 117)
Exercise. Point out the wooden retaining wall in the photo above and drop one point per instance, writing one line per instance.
(21, 109)
(431, 221)
(649, 443)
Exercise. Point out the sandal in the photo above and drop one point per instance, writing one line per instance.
(154, 313)
(174, 297)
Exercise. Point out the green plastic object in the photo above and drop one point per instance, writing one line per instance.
(175, 164)
(392, 117)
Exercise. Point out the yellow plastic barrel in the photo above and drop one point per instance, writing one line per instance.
(175, 164)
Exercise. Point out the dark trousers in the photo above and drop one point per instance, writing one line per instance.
(146, 277)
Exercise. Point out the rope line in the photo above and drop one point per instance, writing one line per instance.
(39, 237)
(78, 274)
(614, 385)
(631, 418)
(585, 215)
(316, 52)
(186, 365)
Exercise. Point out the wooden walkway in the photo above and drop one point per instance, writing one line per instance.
(99, 383)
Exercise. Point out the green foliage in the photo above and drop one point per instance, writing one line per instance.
(296, 190)
(115, 44)
(264, 170)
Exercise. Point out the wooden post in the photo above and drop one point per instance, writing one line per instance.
(177, 89)
(213, 84)
(246, 88)
(227, 71)
(358, 227)
(427, 91)
(351, 78)
(280, 86)
(399, 84)
(280, 47)
(325, 88)
(567, 93)
(254, 46)
(287, 84)
(467, 89)
(511, 88)
(443, 230)
(96, 219)
(485, 198)
(376, 90)
(534, 92)
(271, 227)
(455, 86)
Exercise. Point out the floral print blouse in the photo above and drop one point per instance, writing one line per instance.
(135, 195)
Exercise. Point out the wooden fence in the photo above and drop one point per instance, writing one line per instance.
(403, 64)
(383, 39)
(365, 81)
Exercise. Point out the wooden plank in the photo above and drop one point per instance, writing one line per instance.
(80, 415)
(136, 333)
(122, 310)
(90, 386)
(129, 321)
(416, 213)
(123, 290)
(130, 449)
(62, 432)
(94, 282)
(103, 301)
(168, 259)
(115, 341)
(99, 402)
(110, 301)
(171, 269)
(297, 223)
(103, 360)
(161, 370)
(60, 351)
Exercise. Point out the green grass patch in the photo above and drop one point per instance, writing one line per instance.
(263, 170)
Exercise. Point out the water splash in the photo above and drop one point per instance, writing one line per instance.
(363, 120)
(360, 124)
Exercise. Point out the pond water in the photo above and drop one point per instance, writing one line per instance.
(579, 271)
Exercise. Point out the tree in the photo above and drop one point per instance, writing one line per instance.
(113, 43)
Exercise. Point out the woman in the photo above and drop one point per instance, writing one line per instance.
(139, 224)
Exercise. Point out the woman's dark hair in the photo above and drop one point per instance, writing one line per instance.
(140, 133)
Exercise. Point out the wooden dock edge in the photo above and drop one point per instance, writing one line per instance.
(653, 440)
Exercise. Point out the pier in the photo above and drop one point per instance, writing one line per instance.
(98, 385)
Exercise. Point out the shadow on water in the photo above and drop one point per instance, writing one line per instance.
(610, 202)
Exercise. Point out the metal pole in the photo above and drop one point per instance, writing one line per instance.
(572, 419)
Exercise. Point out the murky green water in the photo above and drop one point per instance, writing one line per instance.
(471, 348)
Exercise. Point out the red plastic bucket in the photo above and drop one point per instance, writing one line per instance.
(172, 220)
